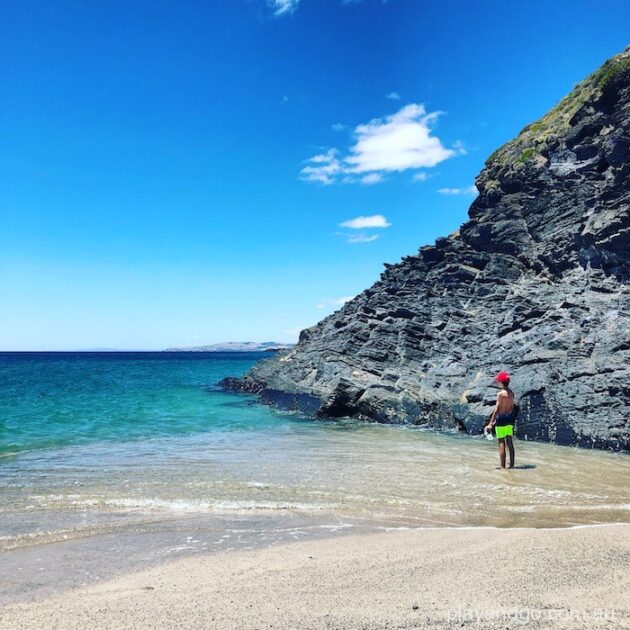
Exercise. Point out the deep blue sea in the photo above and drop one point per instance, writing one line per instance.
(144, 454)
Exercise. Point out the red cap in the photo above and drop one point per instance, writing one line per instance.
(502, 377)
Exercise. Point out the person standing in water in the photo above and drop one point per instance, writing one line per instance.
(502, 418)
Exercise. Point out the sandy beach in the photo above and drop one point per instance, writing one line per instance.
(491, 578)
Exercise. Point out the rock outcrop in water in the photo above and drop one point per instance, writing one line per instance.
(535, 282)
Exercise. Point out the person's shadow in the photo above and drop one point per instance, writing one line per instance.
(524, 467)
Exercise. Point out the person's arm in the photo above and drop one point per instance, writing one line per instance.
(493, 417)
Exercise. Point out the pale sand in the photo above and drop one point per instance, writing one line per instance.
(397, 579)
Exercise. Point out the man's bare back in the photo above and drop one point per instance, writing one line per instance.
(505, 401)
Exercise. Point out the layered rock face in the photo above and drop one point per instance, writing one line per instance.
(535, 282)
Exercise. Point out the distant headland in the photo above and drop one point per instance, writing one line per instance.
(236, 346)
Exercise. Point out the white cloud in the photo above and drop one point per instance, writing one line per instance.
(360, 223)
(283, 7)
(469, 190)
(322, 168)
(337, 127)
(362, 237)
(398, 142)
(393, 96)
(372, 178)
(335, 301)
(421, 177)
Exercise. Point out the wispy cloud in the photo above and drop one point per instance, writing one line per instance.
(393, 96)
(335, 301)
(459, 148)
(283, 7)
(360, 223)
(337, 127)
(322, 168)
(393, 143)
(367, 180)
(468, 190)
(421, 177)
(371, 178)
(361, 238)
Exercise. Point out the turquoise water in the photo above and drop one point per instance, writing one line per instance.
(100, 440)
(59, 399)
(119, 460)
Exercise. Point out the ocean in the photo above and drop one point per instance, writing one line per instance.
(113, 461)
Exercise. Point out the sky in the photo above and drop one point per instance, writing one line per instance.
(189, 172)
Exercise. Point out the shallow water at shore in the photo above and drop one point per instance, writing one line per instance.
(200, 470)
(343, 469)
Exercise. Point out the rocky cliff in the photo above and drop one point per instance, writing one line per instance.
(535, 282)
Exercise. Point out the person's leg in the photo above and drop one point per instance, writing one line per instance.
(510, 445)
(502, 452)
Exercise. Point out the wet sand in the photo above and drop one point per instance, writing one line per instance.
(442, 577)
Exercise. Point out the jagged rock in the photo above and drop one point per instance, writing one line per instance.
(536, 282)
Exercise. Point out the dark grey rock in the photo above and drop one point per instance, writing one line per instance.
(535, 282)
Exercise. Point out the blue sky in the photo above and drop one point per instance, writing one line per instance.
(182, 173)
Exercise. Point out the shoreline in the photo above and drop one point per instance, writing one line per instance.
(78, 559)
(421, 577)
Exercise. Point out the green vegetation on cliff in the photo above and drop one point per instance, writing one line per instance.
(534, 137)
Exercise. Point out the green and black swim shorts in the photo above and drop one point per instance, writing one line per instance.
(504, 426)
